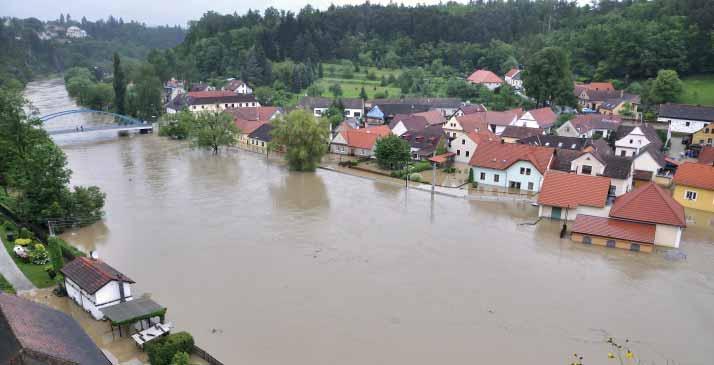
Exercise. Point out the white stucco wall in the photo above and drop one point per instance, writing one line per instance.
(587, 160)
(353, 113)
(399, 129)
(666, 235)
(683, 126)
(510, 174)
(570, 213)
(463, 147)
(196, 108)
(645, 162)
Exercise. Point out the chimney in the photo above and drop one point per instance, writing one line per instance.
(122, 295)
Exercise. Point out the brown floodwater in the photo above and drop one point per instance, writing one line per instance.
(267, 266)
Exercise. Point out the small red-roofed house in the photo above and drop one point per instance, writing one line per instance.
(565, 195)
(93, 285)
(485, 78)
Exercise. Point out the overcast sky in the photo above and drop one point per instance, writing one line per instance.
(159, 12)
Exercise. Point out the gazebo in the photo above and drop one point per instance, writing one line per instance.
(134, 311)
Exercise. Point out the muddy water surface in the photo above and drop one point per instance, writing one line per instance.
(267, 266)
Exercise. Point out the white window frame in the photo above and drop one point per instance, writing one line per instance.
(690, 195)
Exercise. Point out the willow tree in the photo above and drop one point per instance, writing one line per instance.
(304, 137)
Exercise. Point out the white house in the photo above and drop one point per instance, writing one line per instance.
(485, 78)
(513, 78)
(76, 32)
(685, 119)
(466, 144)
(238, 86)
(510, 165)
(619, 170)
(564, 195)
(358, 142)
(543, 118)
(93, 285)
(630, 140)
(590, 125)
(642, 144)
(212, 101)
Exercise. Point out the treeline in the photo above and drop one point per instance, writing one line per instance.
(25, 55)
(625, 40)
(34, 176)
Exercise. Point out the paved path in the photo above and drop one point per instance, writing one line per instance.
(9, 270)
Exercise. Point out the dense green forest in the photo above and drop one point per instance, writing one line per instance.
(621, 40)
(25, 55)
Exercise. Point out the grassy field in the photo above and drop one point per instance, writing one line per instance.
(36, 273)
(367, 77)
(698, 90)
(5, 285)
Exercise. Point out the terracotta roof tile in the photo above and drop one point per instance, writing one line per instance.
(513, 131)
(584, 123)
(544, 116)
(365, 137)
(482, 137)
(614, 228)
(500, 156)
(649, 204)
(561, 189)
(512, 72)
(696, 175)
(483, 77)
(90, 274)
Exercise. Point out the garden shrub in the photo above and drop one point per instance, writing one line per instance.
(23, 241)
(450, 170)
(180, 358)
(25, 233)
(415, 177)
(9, 226)
(39, 256)
(162, 351)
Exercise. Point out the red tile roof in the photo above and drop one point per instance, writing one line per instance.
(512, 72)
(441, 158)
(248, 126)
(707, 155)
(696, 175)
(472, 122)
(583, 123)
(210, 94)
(250, 119)
(365, 137)
(433, 116)
(614, 228)
(500, 156)
(598, 86)
(90, 274)
(561, 189)
(649, 204)
(544, 116)
(482, 137)
(484, 77)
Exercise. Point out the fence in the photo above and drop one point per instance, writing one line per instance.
(205, 355)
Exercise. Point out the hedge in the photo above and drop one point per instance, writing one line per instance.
(162, 351)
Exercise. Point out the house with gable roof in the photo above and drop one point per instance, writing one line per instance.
(590, 125)
(694, 186)
(403, 123)
(643, 145)
(513, 78)
(238, 86)
(543, 118)
(510, 165)
(93, 285)
(564, 195)
(485, 78)
(638, 220)
(685, 119)
(358, 142)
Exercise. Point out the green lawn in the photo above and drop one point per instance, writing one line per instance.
(5, 285)
(36, 273)
(335, 73)
(698, 90)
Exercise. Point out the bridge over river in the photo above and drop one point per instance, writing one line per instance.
(123, 123)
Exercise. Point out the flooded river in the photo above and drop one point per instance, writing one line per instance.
(267, 266)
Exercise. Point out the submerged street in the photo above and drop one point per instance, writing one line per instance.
(266, 266)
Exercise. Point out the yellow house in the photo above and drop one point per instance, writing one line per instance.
(694, 186)
(704, 136)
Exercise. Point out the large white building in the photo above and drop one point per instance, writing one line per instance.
(685, 119)
(75, 32)
(93, 285)
(510, 165)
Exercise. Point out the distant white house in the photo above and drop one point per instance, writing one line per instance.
(513, 78)
(238, 87)
(685, 119)
(76, 32)
(93, 285)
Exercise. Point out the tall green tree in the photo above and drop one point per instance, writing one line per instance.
(213, 130)
(392, 152)
(363, 94)
(144, 97)
(548, 77)
(304, 137)
(119, 84)
(336, 90)
(666, 87)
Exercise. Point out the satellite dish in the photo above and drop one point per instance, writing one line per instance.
(93, 254)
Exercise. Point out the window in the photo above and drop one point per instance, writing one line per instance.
(357, 114)
(611, 243)
(709, 141)
(523, 170)
(587, 170)
(687, 124)
(635, 247)
(631, 141)
(496, 177)
(483, 176)
(623, 153)
(528, 171)
(690, 195)
(612, 191)
(587, 240)
(530, 186)
(706, 130)
(458, 152)
(463, 141)
(467, 153)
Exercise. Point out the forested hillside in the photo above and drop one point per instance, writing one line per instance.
(621, 40)
(25, 54)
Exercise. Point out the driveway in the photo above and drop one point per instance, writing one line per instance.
(9, 270)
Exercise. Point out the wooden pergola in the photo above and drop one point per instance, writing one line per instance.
(133, 311)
